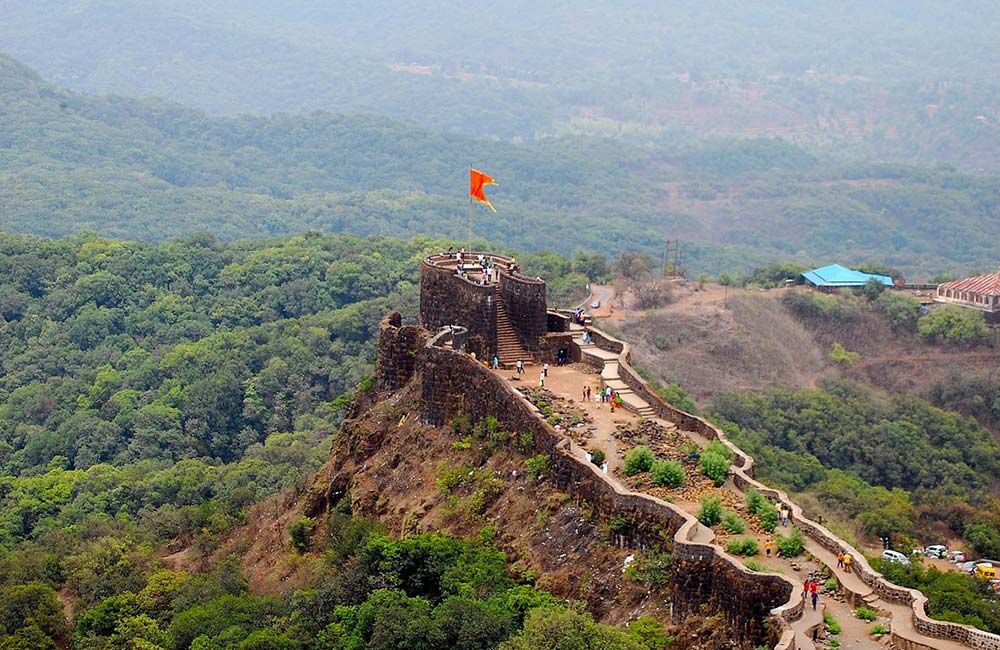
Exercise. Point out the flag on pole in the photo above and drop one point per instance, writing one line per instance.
(477, 181)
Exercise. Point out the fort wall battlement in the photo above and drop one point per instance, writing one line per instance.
(447, 298)
(452, 384)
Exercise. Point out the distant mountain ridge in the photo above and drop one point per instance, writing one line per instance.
(153, 170)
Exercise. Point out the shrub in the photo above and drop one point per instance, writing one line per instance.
(901, 310)
(843, 357)
(667, 472)
(537, 466)
(831, 624)
(300, 532)
(767, 514)
(716, 447)
(743, 546)
(878, 630)
(597, 457)
(831, 584)
(711, 511)
(638, 460)
(793, 544)
(714, 466)
(754, 565)
(732, 523)
(754, 499)
(954, 324)
(866, 614)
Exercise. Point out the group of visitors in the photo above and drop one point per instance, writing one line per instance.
(580, 317)
(810, 589)
(844, 561)
(486, 264)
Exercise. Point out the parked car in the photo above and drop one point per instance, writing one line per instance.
(967, 567)
(985, 571)
(936, 550)
(958, 557)
(596, 304)
(895, 556)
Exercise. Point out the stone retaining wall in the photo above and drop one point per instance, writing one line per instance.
(742, 472)
(454, 385)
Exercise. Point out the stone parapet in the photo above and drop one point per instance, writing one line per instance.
(743, 477)
(453, 385)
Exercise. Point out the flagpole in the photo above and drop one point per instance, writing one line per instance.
(470, 224)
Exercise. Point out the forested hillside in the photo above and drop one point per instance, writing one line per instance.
(901, 80)
(149, 170)
(150, 394)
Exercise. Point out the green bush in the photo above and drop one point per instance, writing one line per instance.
(955, 325)
(716, 447)
(767, 514)
(843, 357)
(793, 544)
(901, 310)
(866, 614)
(746, 546)
(537, 466)
(732, 523)
(300, 531)
(714, 466)
(878, 630)
(754, 499)
(597, 457)
(831, 584)
(667, 472)
(710, 513)
(831, 624)
(638, 460)
(754, 565)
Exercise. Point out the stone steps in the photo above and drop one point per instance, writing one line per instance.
(509, 348)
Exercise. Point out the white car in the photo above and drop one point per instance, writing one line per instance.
(895, 556)
(596, 304)
(936, 550)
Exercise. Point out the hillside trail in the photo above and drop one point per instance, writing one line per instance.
(567, 382)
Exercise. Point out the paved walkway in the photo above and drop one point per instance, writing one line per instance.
(568, 382)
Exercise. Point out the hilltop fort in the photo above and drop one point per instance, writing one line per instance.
(438, 366)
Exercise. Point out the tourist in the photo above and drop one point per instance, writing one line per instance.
(520, 367)
(541, 381)
(545, 369)
(813, 589)
(840, 560)
(806, 588)
(768, 547)
(784, 516)
(847, 562)
(496, 362)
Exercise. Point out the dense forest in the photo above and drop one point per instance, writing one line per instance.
(152, 393)
(897, 80)
(152, 171)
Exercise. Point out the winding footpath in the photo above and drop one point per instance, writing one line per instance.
(567, 382)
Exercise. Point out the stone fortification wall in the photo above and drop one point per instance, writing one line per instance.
(453, 385)
(397, 360)
(743, 477)
(446, 299)
(524, 299)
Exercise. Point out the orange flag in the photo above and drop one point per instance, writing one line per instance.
(477, 180)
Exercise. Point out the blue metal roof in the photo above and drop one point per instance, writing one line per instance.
(836, 275)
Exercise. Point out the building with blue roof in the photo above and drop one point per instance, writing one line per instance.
(836, 276)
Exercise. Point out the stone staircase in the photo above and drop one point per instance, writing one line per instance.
(509, 348)
(611, 379)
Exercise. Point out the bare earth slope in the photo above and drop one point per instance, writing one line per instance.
(709, 343)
